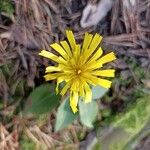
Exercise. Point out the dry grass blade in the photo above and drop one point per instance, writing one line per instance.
(3, 88)
(8, 141)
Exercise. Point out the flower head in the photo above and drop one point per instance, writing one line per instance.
(79, 66)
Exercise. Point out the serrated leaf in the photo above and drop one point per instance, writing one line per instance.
(64, 116)
(88, 112)
(98, 92)
(43, 99)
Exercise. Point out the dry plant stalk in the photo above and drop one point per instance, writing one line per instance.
(8, 141)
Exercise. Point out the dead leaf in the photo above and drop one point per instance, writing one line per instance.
(92, 13)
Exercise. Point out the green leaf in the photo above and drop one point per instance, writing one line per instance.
(98, 92)
(43, 99)
(88, 112)
(64, 116)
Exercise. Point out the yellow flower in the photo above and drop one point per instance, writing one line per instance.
(79, 66)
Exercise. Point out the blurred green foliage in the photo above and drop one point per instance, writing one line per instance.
(6, 6)
(97, 146)
(16, 84)
(136, 116)
(26, 143)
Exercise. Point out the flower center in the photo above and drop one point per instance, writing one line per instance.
(78, 71)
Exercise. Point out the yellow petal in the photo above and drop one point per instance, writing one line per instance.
(95, 42)
(60, 50)
(65, 88)
(92, 60)
(88, 80)
(62, 61)
(107, 58)
(97, 54)
(104, 83)
(76, 53)
(52, 69)
(71, 39)
(87, 41)
(97, 81)
(49, 55)
(88, 93)
(81, 89)
(65, 68)
(80, 61)
(73, 63)
(75, 85)
(65, 77)
(92, 65)
(104, 73)
(51, 76)
(74, 101)
(66, 47)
